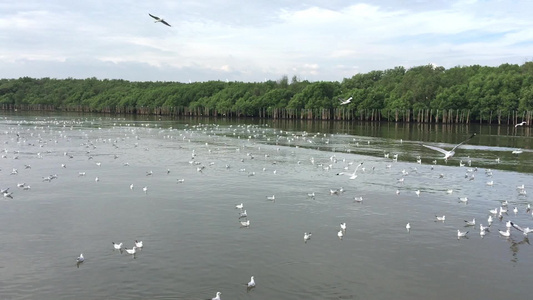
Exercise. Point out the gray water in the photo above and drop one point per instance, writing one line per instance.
(194, 244)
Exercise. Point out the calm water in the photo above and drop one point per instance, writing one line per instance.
(194, 245)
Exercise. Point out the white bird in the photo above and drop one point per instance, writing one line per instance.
(505, 233)
(463, 199)
(251, 284)
(461, 234)
(307, 236)
(217, 296)
(311, 195)
(448, 154)
(80, 259)
(343, 226)
(408, 227)
(521, 124)
(443, 218)
(489, 220)
(245, 223)
(131, 186)
(508, 224)
(243, 214)
(158, 19)
(344, 102)
(117, 246)
(352, 175)
(132, 250)
(239, 206)
(138, 244)
(358, 199)
(417, 192)
(515, 210)
(471, 223)
(145, 190)
(525, 231)
(271, 198)
(340, 234)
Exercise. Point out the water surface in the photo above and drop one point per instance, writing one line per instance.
(194, 244)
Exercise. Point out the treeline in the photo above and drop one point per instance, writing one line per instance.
(423, 93)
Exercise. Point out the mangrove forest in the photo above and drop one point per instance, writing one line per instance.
(428, 93)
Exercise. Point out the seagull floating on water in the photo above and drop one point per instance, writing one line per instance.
(158, 19)
(217, 296)
(448, 154)
(251, 284)
(138, 244)
(461, 234)
(132, 250)
(117, 246)
(80, 259)
(307, 236)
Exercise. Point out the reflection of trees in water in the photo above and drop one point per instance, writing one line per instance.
(515, 246)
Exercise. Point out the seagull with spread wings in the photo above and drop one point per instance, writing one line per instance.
(448, 154)
(158, 19)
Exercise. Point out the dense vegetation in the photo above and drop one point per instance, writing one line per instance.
(480, 90)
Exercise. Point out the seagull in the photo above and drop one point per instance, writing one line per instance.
(470, 223)
(358, 199)
(271, 198)
(352, 175)
(307, 236)
(461, 234)
(521, 124)
(343, 226)
(138, 244)
(408, 227)
(251, 284)
(245, 223)
(239, 206)
(463, 199)
(158, 19)
(80, 259)
(443, 218)
(448, 154)
(506, 233)
(117, 246)
(347, 101)
(132, 250)
(243, 214)
(145, 190)
(217, 297)
(525, 231)
(340, 234)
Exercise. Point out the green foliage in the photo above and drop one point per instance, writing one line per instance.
(476, 88)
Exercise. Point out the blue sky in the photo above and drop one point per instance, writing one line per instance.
(252, 41)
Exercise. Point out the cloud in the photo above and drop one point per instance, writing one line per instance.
(254, 40)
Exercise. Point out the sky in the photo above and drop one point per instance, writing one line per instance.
(254, 41)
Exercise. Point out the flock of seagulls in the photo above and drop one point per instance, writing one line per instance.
(354, 174)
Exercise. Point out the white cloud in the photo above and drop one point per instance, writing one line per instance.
(248, 41)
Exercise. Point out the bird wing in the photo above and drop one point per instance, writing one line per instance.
(473, 135)
(153, 16)
(165, 22)
(517, 227)
(437, 149)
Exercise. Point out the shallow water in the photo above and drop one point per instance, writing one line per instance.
(194, 245)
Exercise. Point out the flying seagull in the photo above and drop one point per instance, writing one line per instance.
(158, 19)
(347, 101)
(448, 154)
